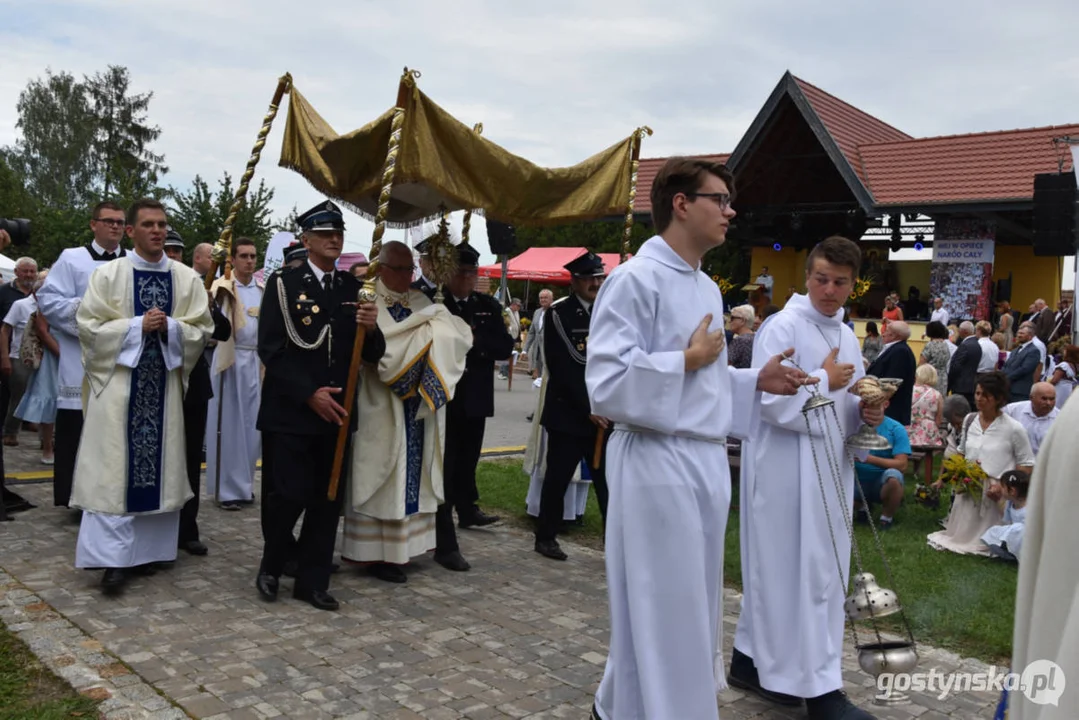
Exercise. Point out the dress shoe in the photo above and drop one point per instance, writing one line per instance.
(388, 572)
(231, 505)
(835, 706)
(476, 518)
(266, 584)
(316, 598)
(147, 570)
(743, 675)
(194, 547)
(551, 549)
(335, 568)
(452, 561)
(113, 580)
(595, 713)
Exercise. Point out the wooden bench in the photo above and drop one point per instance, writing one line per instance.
(925, 453)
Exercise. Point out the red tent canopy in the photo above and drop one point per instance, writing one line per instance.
(544, 264)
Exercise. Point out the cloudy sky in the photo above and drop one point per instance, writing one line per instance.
(553, 81)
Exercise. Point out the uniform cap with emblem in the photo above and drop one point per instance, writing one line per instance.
(323, 217)
(173, 239)
(294, 252)
(586, 266)
(467, 256)
(421, 247)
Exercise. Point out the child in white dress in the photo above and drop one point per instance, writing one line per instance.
(1005, 541)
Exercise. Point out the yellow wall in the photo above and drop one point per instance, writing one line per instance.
(913, 272)
(1032, 277)
(786, 266)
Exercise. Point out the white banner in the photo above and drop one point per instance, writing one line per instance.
(963, 251)
(275, 251)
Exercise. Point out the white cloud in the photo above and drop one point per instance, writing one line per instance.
(555, 81)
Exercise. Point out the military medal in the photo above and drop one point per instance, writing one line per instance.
(306, 320)
(314, 309)
(303, 296)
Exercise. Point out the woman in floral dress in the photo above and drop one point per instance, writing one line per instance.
(937, 354)
(926, 409)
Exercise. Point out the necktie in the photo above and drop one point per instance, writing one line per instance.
(327, 282)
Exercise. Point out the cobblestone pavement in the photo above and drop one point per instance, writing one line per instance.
(518, 636)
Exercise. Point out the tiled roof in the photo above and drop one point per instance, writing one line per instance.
(848, 126)
(980, 167)
(646, 174)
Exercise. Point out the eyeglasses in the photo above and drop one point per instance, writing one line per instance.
(112, 222)
(721, 199)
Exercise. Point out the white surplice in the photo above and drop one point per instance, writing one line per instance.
(59, 299)
(792, 617)
(1047, 599)
(669, 481)
(396, 482)
(236, 379)
(112, 533)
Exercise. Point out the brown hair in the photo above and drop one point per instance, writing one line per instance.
(995, 384)
(837, 250)
(1071, 354)
(243, 241)
(143, 204)
(682, 175)
(104, 205)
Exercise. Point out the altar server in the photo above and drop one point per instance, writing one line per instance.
(657, 368)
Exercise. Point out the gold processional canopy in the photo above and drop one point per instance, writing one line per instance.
(442, 165)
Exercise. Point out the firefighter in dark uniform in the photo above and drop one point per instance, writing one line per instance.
(567, 414)
(307, 325)
(423, 283)
(473, 401)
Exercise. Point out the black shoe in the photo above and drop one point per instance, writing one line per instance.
(335, 568)
(388, 572)
(453, 560)
(835, 706)
(476, 518)
(113, 580)
(232, 505)
(595, 713)
(317, 598)
(291, 568)
(194, 547)
(266, 584)
(743, 675)
(146, 570)
(551, 549)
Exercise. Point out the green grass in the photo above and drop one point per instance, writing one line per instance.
(962, 603)
(29, 691)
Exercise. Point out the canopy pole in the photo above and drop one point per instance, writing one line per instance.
(634, 166)
(367, 293)
(222, 252)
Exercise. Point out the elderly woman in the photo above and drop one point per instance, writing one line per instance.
(956, 409)
(937, 354)
(996, 442)
(740, 349)
(1065, 373)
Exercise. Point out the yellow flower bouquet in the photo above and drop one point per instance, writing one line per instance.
(964, 476)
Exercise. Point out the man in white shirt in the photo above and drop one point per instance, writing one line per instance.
(1037, 414)
(940, 314)
(990, 351)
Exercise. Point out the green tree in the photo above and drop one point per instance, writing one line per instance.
(122, 136)
(199, 214)
(54, 155)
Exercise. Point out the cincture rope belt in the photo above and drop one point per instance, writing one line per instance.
(649, 431)
(247, 347)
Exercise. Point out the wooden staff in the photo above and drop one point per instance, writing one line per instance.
(597, 454)
(367, 294)
(223, 247)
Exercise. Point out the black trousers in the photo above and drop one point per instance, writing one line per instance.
(194, 435)
(464, 443)
(67, 434)
(295, 478)
(564, 452)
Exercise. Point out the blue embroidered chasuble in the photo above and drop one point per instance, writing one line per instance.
(405, 388)
(146, 401)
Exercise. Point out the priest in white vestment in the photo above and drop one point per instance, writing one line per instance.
(657, 367)
(795, 554)
(396, 482)
(142, 324)
(236, 378)
(1047, 599)
(58, 300)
